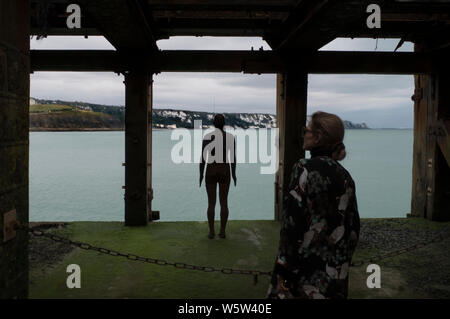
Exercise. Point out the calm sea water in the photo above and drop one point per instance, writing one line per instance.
(78, 176)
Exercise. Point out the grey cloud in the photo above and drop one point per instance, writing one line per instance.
(360, 83)
(396, 117)
(101, 88)
(347, 44)
(263, 81)
(213, 43)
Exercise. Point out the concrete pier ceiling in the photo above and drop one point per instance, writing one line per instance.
(294, 29)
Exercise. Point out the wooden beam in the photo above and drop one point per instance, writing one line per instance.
(126, 32)
(138, 144)
(419, 164)
(50, 18)
(438, 172)
(14, 147)
(237, 4)
(341, 62)
(216, 27)
(430, 183)
(230, 14)
(292, 88)
(76, 60)
(323, 62)
(299, 18)
(219, 61)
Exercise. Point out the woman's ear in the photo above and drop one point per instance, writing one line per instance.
(317, 138)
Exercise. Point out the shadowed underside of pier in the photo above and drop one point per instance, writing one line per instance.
(294, 29)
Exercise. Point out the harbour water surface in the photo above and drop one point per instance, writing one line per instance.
(78, 176)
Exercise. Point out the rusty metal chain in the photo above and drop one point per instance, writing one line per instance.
(438, 238)
(161, 262)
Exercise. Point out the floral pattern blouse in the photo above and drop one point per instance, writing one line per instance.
(319, 232)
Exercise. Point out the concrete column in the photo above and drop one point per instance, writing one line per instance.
(138, 147)
(292, 91)
(14, 126)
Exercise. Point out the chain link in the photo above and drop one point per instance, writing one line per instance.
(160, 262)
(226, 271)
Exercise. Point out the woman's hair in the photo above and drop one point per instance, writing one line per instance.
(332, 132)
(219, 121)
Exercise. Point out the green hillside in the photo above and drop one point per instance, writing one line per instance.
(49, 108)
(65, 117)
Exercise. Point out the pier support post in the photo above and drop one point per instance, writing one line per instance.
(292, 89)
(431, 183)
(14, 141)
(138, 147)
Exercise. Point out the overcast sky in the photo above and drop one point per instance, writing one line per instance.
(381, 101)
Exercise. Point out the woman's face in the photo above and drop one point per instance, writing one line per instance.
(310, 139)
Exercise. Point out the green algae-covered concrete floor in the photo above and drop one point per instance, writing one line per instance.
(249, 245)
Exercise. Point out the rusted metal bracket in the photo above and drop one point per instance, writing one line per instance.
(155, 215)
(10, 225)
(418, 95)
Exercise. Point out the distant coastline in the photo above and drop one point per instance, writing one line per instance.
(66, 116)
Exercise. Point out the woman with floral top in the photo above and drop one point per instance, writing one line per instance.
(320, 222)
